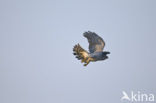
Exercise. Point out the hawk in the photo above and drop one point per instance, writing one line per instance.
(96, 53)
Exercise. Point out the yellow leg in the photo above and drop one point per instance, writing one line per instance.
(83, 60)
(87, 62)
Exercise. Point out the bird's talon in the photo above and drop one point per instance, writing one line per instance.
(85, 64)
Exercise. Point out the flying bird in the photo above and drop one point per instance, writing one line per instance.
(96, 53)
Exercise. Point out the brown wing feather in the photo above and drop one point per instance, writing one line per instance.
(79, 52)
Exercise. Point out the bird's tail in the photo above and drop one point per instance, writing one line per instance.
(80, 53)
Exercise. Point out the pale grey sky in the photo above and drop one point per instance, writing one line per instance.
(36, 41)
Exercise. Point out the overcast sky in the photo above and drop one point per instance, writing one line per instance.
(36, 41)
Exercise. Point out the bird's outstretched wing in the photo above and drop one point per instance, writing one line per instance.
(80, 53)
(96, 43)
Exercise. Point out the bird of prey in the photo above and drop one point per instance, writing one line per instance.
(96, 53)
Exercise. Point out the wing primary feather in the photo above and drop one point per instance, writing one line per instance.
(79, 52)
